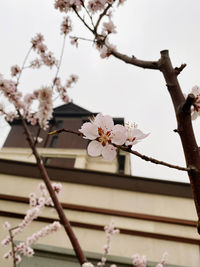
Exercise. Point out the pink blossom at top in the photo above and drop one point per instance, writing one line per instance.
(134, 135)
(120, 2)
(66, 25)
(96, 5)
(103, 133)
(195, 110)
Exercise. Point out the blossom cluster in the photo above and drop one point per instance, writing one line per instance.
(106, 136)
(195, 109)
(36, 205)
(110, 230)
(62, 89)
(141, 261)
(91, 8)
(23, 105)
(46, 57)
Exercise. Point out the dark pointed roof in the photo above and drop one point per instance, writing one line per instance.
(71, 109)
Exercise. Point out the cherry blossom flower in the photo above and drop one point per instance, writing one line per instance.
(62, 5)
(96, 5)
(110, 230)
(66, 25)
(74, 41)
(139, 261)
(36, 63)
(163, 260)
(15, 70)
(120, 2)
(7, 225)
(134, 135)
(106, 50)
(109, 27)
(38, 39)
(102, 131)
(195, 110)
(45, 108)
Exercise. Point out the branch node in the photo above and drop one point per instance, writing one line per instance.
(179, 69)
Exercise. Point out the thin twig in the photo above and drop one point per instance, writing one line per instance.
(153, 160)
(23, 64)
(101, 16)
(134, 61)
(90, 29)
(127, 149)
(65, 130)
(88, 13)
(63, 219)
(13, 247)
(60, 61)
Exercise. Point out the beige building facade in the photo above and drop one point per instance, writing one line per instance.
(153, 216)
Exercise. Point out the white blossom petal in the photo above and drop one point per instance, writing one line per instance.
(109, 152)
(90, 130)
(139, 134)
(105, 122)
(119, 134)
(94, 148)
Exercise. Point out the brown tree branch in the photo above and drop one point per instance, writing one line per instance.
(128, 149)
(136, 62)
(12, 247)
(101, 16)
(185, 129)
(179, 69)
(63, 219)
(152, 160)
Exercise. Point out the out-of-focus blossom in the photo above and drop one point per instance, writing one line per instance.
(120, 2)
(36, 63)
(139, 261)
(87, 264)
(96, 5)
(163, 260)
(195, 110)
(110, 230)
(66, 25)
(45, 108)
(106, 50)
(74, 41)
(15, 70)
(38, 39)
(109, 27)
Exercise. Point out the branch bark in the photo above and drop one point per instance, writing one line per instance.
(185, 129)
(136, 62)
(63, 219)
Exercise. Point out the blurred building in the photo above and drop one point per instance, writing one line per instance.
(153, 216)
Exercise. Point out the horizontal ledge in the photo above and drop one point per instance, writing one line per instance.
(96, 178)
(111, 212)
(101, 228)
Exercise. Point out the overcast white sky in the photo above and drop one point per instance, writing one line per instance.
(144, 27)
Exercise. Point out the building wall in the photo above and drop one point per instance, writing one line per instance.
(96, 206)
